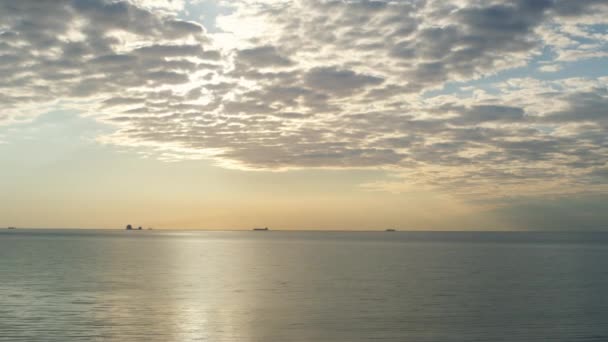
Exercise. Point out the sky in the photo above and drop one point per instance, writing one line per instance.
(311, 114)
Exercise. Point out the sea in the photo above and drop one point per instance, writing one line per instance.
(280, 286)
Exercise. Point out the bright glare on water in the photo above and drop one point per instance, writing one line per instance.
(65, 285)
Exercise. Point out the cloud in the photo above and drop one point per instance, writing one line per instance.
(339, 82)
(328, 84)
(489, 113)
(263, 56)
(83, 50)
(588, 106)
(550, 68)
(578, 213)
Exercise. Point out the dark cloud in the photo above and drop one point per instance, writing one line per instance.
(160, 51)
(576, 8)
(583, 212)
(584, 106)
(263, 56)
(489, 113)
(339, 81)
(600, 173)
(116, 101)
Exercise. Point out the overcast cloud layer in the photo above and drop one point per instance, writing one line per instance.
(339, 84)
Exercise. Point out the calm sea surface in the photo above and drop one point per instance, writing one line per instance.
(62, 285)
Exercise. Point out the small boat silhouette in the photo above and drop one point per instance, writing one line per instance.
(390, 230)
(261, 229)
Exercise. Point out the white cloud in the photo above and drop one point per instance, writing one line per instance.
(550, 68)
(333, 84)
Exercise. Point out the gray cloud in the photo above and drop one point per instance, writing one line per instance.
(263, 56)
(337, 84)
(160, 51)
(489, 113)
(339, 81)
(65, 49)
(584, 106)
(578, 213)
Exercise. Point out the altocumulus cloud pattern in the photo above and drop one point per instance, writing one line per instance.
(424, 89)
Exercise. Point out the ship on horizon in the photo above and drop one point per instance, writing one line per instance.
(261, 229)
(130, 227)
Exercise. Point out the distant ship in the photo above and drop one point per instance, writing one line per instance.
(390, 230)
(129, 227)
(11, 228)
(261, 229)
